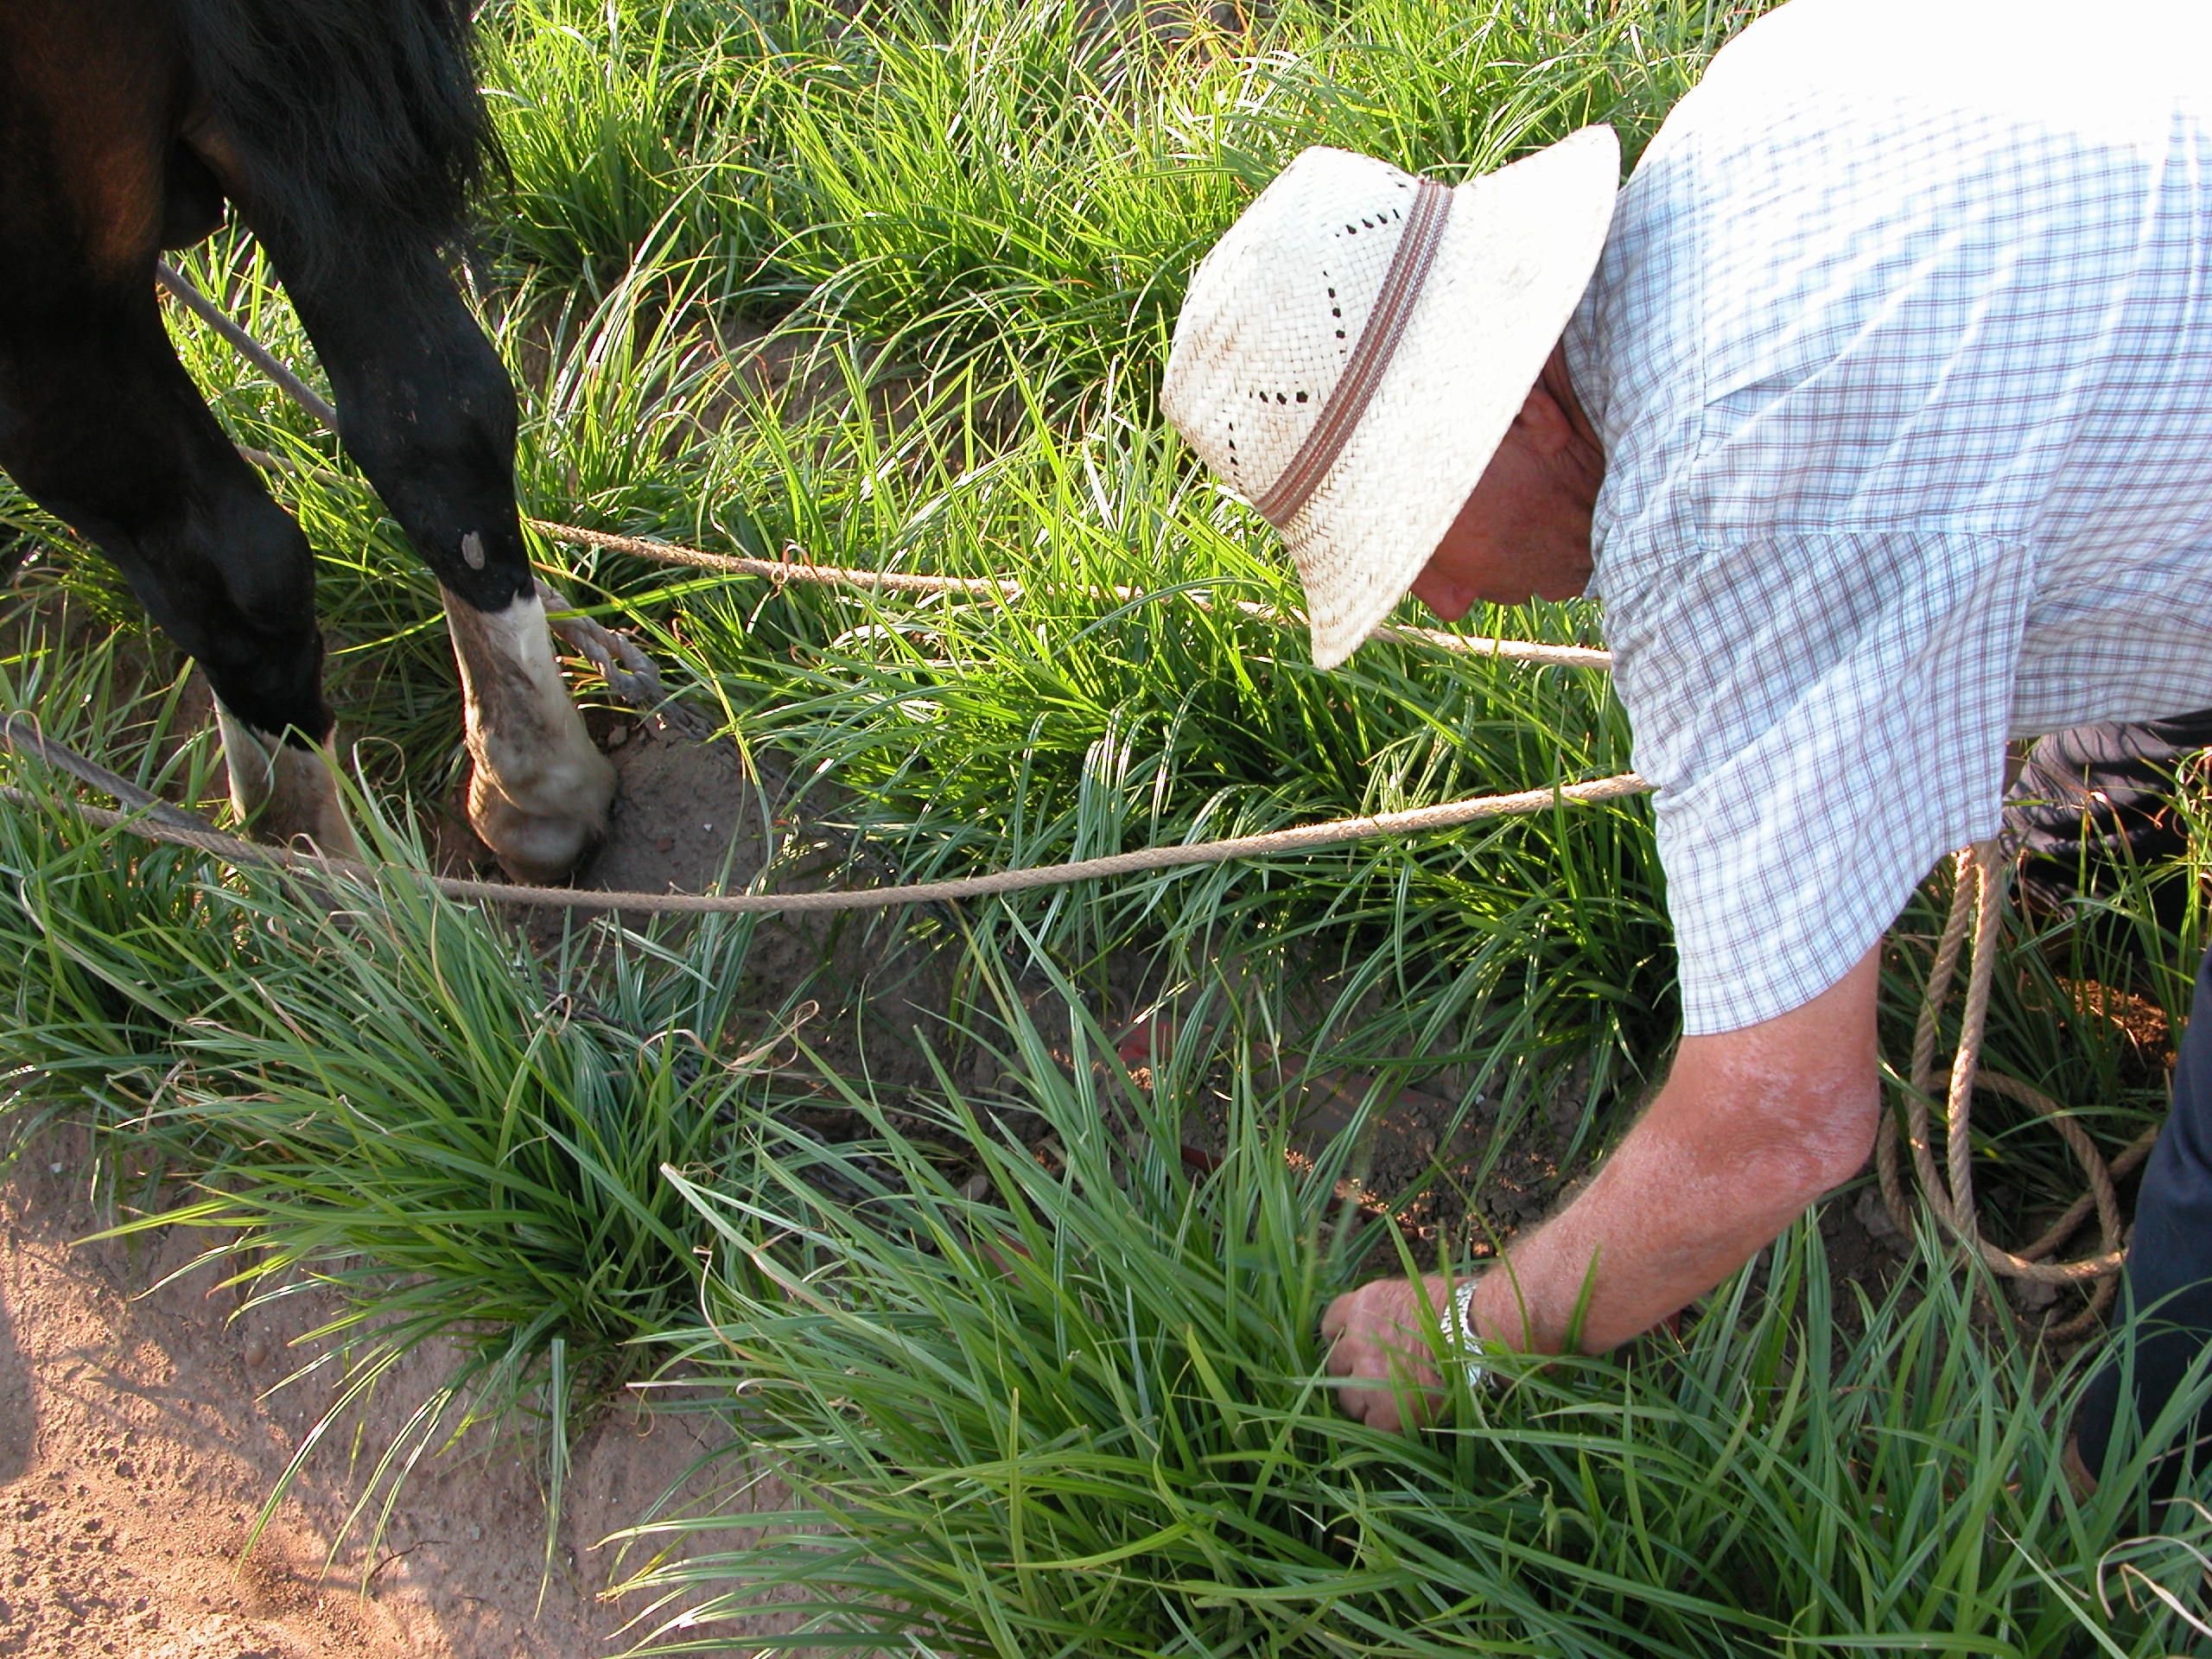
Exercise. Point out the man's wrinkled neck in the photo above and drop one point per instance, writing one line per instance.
(1582, 461)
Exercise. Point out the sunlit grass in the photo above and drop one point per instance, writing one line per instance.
(364, 1087)
(968, 226)
(1084, 1413)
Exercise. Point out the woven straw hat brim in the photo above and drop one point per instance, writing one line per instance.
(1516, 256)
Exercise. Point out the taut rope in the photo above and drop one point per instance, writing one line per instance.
(155, 821)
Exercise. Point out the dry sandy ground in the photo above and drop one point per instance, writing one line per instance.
(137, 1443)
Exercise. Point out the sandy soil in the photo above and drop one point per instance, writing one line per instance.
(139, 1440)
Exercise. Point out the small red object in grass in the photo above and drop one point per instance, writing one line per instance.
(1199, 1161)
(1144, 1041)
(997, 1253)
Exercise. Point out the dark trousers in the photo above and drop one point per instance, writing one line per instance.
(2094, 802)
(2165, 1312)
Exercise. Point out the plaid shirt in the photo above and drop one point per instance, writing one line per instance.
(1901, 352)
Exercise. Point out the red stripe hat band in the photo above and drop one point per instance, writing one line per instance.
(1369, 360)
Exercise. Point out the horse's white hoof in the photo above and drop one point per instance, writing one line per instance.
(541, 846)
(539, 791)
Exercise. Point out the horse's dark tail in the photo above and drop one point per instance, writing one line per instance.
(368, 104)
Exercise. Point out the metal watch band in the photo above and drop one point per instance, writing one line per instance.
(1470, 1347)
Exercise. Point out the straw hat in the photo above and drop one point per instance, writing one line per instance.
(1352, 352)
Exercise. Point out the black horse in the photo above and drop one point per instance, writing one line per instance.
(346, 134)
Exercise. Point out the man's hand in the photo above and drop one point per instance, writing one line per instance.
(1382, 1334)
(1751, 1127)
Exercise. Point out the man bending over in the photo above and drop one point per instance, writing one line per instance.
(1876, 411)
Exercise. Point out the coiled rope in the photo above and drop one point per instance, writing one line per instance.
(1981, 876)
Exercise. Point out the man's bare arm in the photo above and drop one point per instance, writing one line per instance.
(1750, 1128)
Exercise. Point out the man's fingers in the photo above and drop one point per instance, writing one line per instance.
(1375, 1410)
(1335, 1316)
(1379, 1335)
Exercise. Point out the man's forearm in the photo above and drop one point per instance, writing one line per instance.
(1676, 1210)
(1731, 1152)
(1751, 1127)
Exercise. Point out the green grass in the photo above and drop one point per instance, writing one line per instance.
(1030, 184)
(966, 225)
(1084, 1415)
(1075, 723)
(369, 1088)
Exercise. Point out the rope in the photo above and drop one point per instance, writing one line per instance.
(179, 830)
(799, 567)
(1978, 899)
(1980, 877)
(246, 346)
(21, 732)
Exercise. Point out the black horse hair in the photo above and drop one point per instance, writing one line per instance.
(373, 103)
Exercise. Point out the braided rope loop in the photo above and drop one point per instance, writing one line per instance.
(1979, 877)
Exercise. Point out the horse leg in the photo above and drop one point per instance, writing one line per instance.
(426, 408)
(99, 424)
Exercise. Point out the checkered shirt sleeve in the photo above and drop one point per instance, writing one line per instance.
(1903, 363)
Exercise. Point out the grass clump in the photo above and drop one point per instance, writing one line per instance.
(1021, 185)
(1083, 1414)
(1125, 700)
(625, 129)
(364, 1087)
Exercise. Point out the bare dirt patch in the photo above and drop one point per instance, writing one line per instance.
(701, 816)
(139, 1439)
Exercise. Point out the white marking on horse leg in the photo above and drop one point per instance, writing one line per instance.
(539, 791)
(284, 793)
